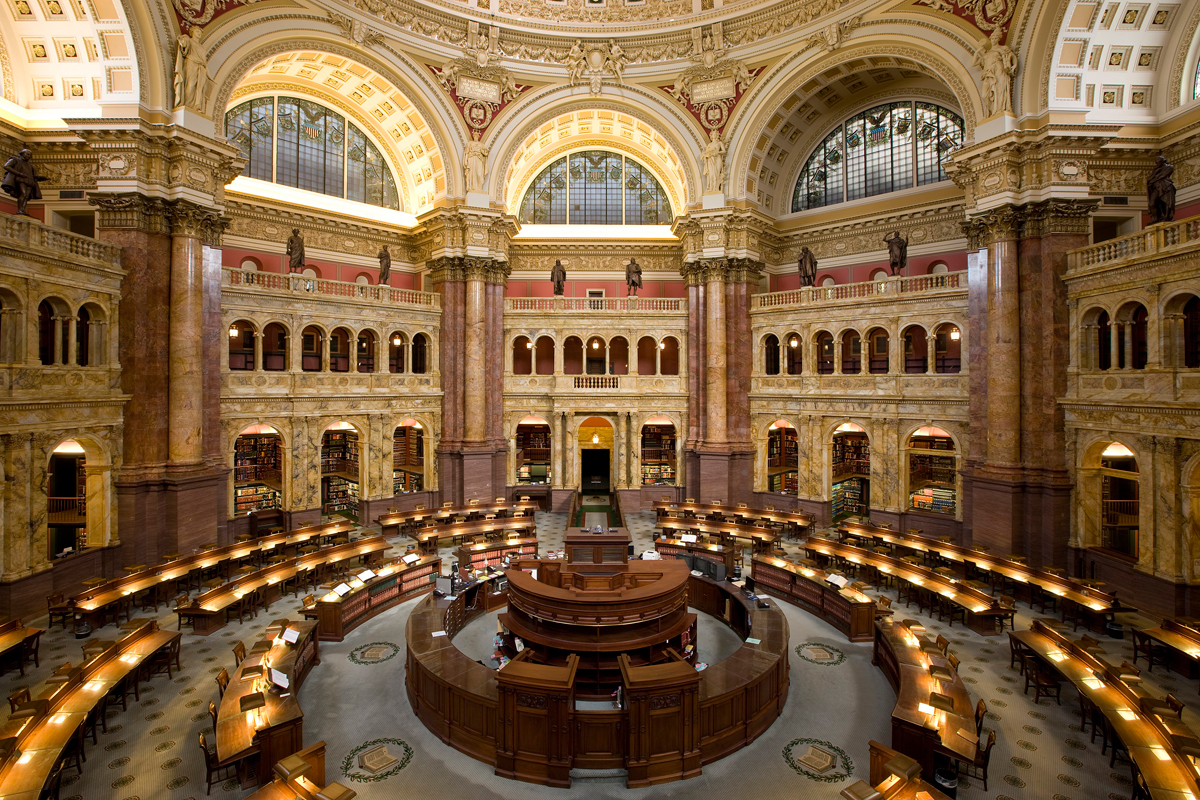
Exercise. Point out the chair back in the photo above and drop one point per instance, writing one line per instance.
(210, 758)
(474, 502)
(222, 680)
(1008, 601)
(1129, 669)
(980, 710)
(447, 505)
(420, 507)
(309, 600)
(212, 712)
(984, 754)
(19, 697)
(239, 653)
(884, 601)
(1175, 704)
(55, 600)
(943, 643)
(499, 499)
(954, 662)
(1088, 641)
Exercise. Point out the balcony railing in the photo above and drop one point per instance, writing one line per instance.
(885, 289)
(43, 237)
(597, 382)
(299, 285)
(625, 305)
(1160, 238)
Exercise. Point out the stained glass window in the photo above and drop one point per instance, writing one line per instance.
(884, 149)
(300, 143)
(596, 187)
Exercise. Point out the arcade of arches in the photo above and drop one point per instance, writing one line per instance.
(293, 263)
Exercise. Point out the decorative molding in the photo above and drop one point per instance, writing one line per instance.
(198, 13)
(479, 86)
(132, 210)
(355, 31)
(711, 89)
(991, 17)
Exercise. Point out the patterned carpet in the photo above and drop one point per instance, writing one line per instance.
(355, 698)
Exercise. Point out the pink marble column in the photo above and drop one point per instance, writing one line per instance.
(693, 362)
(185, 412)
(475, 362)
(1004, 345)
(716, 355)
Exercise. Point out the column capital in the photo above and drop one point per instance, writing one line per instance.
(997, 225)
(1058, 216)
(191, 220)
(131, 210)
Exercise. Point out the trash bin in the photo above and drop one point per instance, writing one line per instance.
(1114, 629)
(946, 780)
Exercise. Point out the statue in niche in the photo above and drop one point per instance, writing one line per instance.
(475, 159)
(558, 276)
(1160, 192)
(385, 265)
(807, 265)
(897, 252)
(21, 180)
(998, 64)
(714, 163)
(191, 73)
(633, 277)
(295, 251)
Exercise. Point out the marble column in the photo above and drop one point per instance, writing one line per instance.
(475, 361)
(17, 489)
(72, 341)
(931, 354)
(837, 356)
(186, 375)
(57, 356)
(716, 353)
(258, 351)
(1004, 342)
(327, 351)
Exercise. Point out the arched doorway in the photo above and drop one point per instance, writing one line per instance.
(533, 447)
(257, 470)
(66, 499)
(783, 459)
(408, 457)
(1120, 507)
(850, 490)
(658, 452)
(932, 471)
(340, 470)
(596, 444)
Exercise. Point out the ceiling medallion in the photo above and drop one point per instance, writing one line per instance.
(593, 61)
(711, 88)
(480, 86)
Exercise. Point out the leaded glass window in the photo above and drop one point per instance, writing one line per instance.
(297, 142)
(884, 149)
(595, 187)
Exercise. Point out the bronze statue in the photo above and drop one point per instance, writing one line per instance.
(558, 276)
(21, 180)
(897, 252)
(295, 251)
(1160, 192)
(808, 267)
(633, 277)
(385, 265)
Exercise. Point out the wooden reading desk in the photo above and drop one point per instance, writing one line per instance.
(850, 611)
(16, 642)
(1130, 710)
(275, 729)
(32, 744)
(786, 519)
(398, 522)
(474, 557)
(394, 583)
(207, 612)
(1183, 640)
(717, 553)
(428, 538)
(764, 539)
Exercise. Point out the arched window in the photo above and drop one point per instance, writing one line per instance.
(668, 357)
(396, 345)
(884, 149)
(275, 347)
(916, 350)
(420, 344)
(365, 351)
(339, 350)
(851, 352)
(241, 345)
(824, 353)
(522, 356)
(771, 354)
(877, 341)
(793, 358)
(300, 143)
(596, 187)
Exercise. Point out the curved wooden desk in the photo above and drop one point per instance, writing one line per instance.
(395, 523)
(427, 539)
(850, 611)
(392, 585)
(276, 729)
(459, 700)
(790, 519)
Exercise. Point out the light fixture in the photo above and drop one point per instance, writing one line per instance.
(954, 334)
(794, 342)
(529, 345)
(233, 330)
(595, 344)
(396, 340)
(662, 345)
(595, 438)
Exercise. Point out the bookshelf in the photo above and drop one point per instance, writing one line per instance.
(850, 496)
(339, 496)
(408, 459)
(932, 474)
(851, 455)
(248, 497)
(658, 455)
(339, 453)
(533, 454)
(257, 473)
(782, 461)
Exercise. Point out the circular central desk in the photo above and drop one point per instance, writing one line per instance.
(592, 623)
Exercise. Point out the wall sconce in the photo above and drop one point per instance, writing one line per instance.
(954, 334)
(397, 341)
(662, 345)
(793, 342)
(595, 345)
(529, 345)
(233, 331)
(595, 438)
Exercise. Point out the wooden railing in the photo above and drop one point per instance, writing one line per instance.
(300, 285)
(626, 305)
(1159, 238)
(43, 237)
(889, 288)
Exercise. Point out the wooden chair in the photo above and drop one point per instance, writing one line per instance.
(19, 698)
(943, 644)
(1152, 651)
(222, 680)
(978, 769)
(1042, 682)
(30, 648)
(239, 654)
(57, 607)
(212, 712)
(183, 602)
(53, 788)
(954, 662)
(74, 751)
(980, 713)
(949, 610)
(213, 766)
(163, 659)
(1009, 606)
(883, 606)
(1042, 599)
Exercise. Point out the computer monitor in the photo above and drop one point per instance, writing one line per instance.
(750, 585)
(716, 570)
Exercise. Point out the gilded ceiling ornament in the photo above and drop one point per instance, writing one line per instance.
(480, 86)
(990, 16)
(832, 35)
(194, 13)
(355, 31)
(712, 87)
(593, 61)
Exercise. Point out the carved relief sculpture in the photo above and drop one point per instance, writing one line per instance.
(1160, 192)
(480, 86)
(712, 87)
(594, 61)
(558, 276)
(21, 180)
(295, 251)
(191, 74)
(807, 265)
(475, 165)
(714, 163)
(385, 265)
(897, 252)
(998, 64)
(633, 277)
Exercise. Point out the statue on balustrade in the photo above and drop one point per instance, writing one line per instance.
(897, 252)
(21, 180)
(295, 251)
(558, 276)
(385, 265)
(1160, 192)
(808, 266)
(633, 277)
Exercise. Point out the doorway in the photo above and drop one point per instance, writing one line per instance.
(593, 472)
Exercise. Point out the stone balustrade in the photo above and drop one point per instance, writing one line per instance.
(1162, 239)
(42, 237)
(889, 289)
(575, 305)
(301, 286)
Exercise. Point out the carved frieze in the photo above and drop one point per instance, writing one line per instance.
(478, 84)
(711, 88)
(992, 17)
